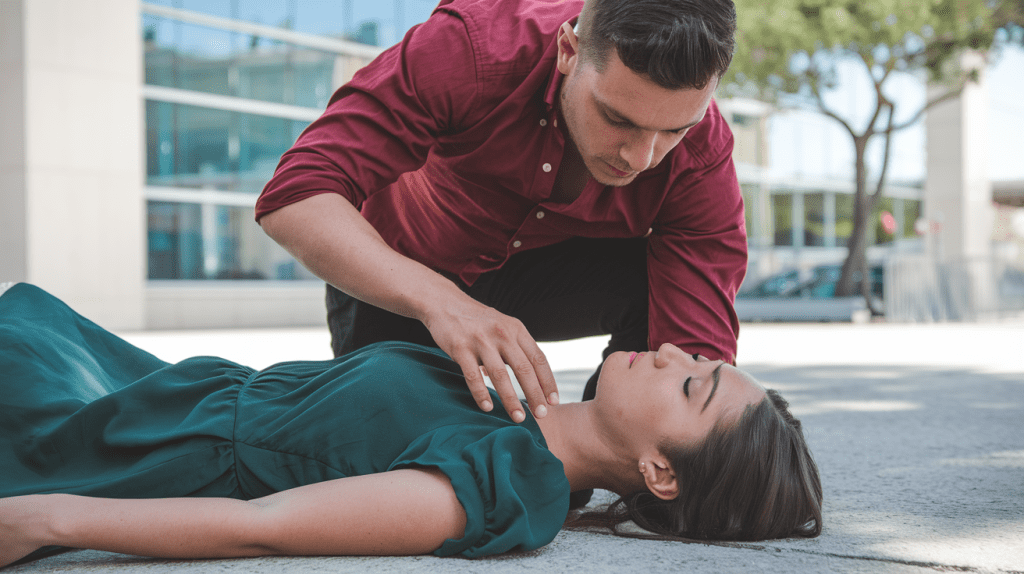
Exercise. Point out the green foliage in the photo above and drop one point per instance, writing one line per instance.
(794, 47)
(784, 46)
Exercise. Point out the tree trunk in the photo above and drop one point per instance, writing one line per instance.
(856, 259)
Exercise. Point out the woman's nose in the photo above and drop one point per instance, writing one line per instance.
(668, 352)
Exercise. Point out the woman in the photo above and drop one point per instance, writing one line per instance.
(382, 451)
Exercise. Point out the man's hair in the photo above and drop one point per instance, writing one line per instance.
(676, 43)
(751, 480)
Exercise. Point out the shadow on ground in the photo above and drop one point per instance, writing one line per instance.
(918, 465)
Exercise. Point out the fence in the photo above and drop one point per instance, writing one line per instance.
(920, 289)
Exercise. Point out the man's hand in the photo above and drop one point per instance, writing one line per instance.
(331, 238)
(476, 335)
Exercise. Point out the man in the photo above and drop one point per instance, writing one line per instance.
(501, 177)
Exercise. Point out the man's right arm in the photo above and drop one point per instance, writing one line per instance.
(329, 236)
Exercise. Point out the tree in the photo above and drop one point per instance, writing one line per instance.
(787, 52)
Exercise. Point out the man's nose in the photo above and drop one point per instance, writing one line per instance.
(638, 151)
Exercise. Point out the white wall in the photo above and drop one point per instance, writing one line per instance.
(70, 182)
(1006, 115)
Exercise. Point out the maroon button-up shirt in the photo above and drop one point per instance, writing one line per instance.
(449, 145)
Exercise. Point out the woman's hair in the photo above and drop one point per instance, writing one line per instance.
(676, 43)
(752, 480)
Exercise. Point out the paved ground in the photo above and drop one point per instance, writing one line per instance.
(918, 431)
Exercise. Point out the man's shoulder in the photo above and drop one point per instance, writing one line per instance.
(511, 34)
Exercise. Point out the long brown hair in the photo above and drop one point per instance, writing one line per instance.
(751, 480)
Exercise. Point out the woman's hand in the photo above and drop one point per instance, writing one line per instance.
(23, 526)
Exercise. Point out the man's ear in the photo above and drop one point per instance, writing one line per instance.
(568, 49)
(660, 479)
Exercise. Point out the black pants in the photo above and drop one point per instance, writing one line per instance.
(577, 288)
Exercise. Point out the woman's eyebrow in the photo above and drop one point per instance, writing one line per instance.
(714, 387)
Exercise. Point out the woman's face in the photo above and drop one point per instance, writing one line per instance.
(670, 396)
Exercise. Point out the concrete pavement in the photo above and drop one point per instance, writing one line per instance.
(918, 431)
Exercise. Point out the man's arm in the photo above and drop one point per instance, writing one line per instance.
(698, 251)
(402, 512)
(333, 240)
(377, 127)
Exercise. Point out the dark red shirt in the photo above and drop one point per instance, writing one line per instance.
(449, 145)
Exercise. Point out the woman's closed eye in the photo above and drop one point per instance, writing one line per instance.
(686, 387)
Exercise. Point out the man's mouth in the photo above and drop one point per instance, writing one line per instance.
(619, 172)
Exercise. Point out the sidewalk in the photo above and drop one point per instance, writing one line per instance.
(918, 431)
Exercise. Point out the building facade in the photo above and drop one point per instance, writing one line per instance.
(137, 136)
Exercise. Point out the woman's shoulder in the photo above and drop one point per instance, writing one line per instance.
(513, 489)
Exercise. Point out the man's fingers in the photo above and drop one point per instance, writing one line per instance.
(503, 386)
(475, 381)
(525, 374)
(541, 369)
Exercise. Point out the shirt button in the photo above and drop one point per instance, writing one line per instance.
(546, 167)
(517, 244)
(555, 122)
(540, 215)
(543, 122)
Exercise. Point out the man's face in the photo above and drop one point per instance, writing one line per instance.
(621, 122)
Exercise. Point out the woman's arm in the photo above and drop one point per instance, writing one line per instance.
(411, 511)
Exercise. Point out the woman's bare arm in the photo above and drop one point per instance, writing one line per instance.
(403, 512)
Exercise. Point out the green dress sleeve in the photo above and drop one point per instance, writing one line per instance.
(514, 491)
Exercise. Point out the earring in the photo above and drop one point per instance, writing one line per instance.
(643, 468)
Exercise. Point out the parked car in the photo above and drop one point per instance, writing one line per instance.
(796, 295)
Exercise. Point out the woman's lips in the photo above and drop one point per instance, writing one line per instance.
(632, 356)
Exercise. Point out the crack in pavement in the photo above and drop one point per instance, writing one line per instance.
(932, 565)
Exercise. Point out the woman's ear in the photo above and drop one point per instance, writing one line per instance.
(568, 49)
(659, 478)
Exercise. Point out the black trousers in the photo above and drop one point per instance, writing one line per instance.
(578, 288)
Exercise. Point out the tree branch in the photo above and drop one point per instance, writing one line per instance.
(885, 158)
(952, 94)
(880, 99)
(828, 112)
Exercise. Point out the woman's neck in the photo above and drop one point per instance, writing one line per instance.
(573, 436)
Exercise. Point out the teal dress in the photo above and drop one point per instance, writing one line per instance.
(85, 412)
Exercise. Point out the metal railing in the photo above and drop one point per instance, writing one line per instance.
(919, 288)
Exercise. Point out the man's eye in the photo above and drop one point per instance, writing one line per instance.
(616, 123)
(686, 387)
(695, 356)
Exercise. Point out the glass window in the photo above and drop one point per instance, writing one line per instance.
(206, 241)
(195, 147)
(749, 212)
(814, 219)
(175, 241)
(209, 60)
(881, 218)
(782, 212)
(342, 18)
(911, 213)
(844, 218)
